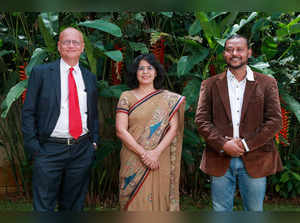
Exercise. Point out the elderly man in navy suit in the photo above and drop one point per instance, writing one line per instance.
(60, 127)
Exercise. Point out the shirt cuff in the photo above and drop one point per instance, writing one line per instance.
(245, 145)
(95, 145)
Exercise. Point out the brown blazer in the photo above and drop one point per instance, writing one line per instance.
(260, 121)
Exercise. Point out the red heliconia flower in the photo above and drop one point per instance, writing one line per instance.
(23, 76)
(158, 49)
(116, 69)
(285, 128)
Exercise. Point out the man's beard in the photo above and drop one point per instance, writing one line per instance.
(237, 66)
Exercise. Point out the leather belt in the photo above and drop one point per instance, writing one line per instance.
(67, 141)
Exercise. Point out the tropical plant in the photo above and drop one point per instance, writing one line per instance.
(188, 44)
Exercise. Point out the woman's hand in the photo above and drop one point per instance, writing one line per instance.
(151, 159)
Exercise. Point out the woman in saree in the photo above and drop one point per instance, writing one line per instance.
(149, 122)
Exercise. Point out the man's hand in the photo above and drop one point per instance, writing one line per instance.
(239, 142)
(233, 149)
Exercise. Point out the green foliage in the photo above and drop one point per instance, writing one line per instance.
(37, 58)
(104, 26)
(287, 183)
(186, 63)
(13, 94)
(191, 92)
(4, 52)
(115, 55)
(48, 24)
(138, 47)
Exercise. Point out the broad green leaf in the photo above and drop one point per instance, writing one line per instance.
(286, 60)
(281, 33)
(47, 30)
(139, 17)
(291, 102)
(113, 91)
(296, 176)
(243, 22)
(104, 26)
(191, 92)
(210, 28)
(191, 42)
(38, 56)
(89, 49)
(99, 45)
(269, 47)
(50, 20)
(167, 14)
(186, 63)
(4, 52)
(221, 41)
(182, 65)
(13, 94)
(139, 47)
(228, 20)
(294, 21)
(285, 177)
(291, 28)
(195, 28)
(1, 43)
(115, 55)
(214, 15)
(260, 65)
(258, 25)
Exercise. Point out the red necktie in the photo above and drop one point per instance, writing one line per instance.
(75, 124)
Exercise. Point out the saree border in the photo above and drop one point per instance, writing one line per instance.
(176, 107)
(123, 110)
(137, 189)
(144, 99)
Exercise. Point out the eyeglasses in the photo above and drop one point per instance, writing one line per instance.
(68, 42)
(143, 68)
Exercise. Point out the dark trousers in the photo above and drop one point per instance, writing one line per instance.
(61, 176)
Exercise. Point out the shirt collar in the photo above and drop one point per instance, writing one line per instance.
(249, 75)
(66, 67)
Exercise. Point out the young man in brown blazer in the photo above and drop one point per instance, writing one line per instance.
(238, 114)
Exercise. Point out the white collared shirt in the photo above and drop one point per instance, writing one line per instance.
(61, 129)
(236, 91)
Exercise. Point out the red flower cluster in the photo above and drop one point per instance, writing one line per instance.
(285, 129)
(158, 49)
(116, 69)
(23, 76)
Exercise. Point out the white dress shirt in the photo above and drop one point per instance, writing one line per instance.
(61, 129)
(236, 91)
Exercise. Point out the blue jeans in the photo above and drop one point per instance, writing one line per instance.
(252, 190)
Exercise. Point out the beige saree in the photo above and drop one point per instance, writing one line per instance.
(143, 189)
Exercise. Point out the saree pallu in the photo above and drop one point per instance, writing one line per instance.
(143, 189)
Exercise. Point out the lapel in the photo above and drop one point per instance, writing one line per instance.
(223, 92)
(55, 76)
(249, 90)
(86, 84)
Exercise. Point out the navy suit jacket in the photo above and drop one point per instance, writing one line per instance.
(42, 104)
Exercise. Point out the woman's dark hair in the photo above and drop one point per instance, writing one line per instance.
(132, 80)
